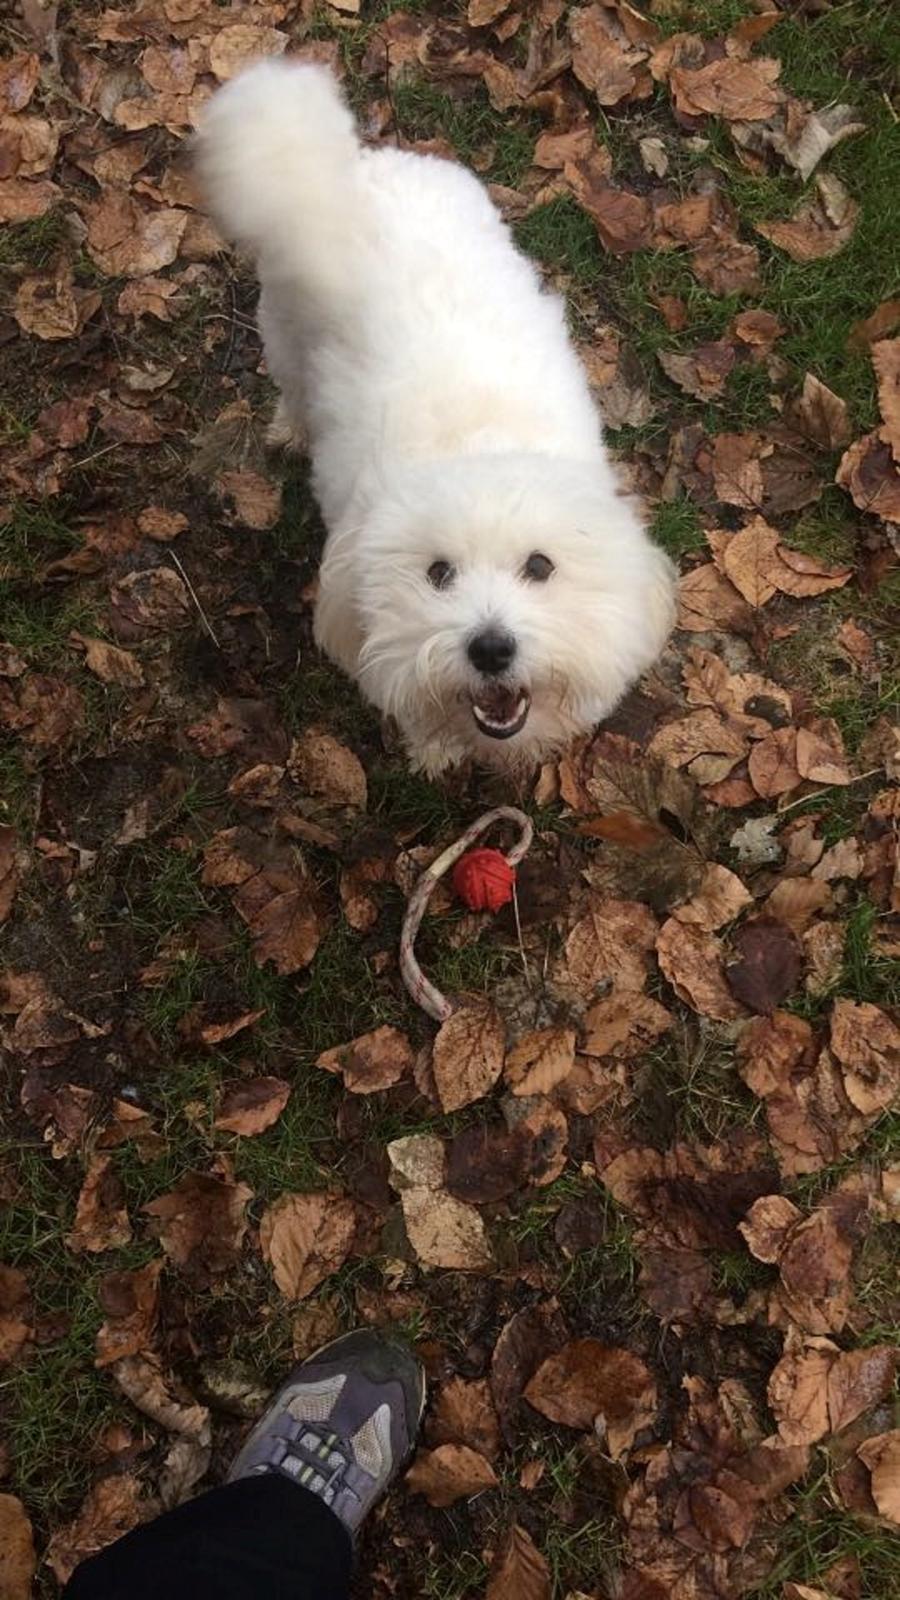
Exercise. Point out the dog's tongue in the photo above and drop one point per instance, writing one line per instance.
(499, 703)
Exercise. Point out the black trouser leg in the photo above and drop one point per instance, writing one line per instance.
(261, 1538)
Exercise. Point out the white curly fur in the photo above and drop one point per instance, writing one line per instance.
(448, 419)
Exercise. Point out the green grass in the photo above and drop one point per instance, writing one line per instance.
(501, 146)
(676, 527)
(35, 244)
(561, 235)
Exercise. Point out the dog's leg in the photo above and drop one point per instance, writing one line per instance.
(283, 434)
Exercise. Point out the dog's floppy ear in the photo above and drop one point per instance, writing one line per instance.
(338, 625)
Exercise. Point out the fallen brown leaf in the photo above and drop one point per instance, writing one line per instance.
(795, 901)
(20, 75)
(702, 373)
(821, 415)
(881, 1455)
(445, 1232)
(109, 663)
(692, 961)
(24, 199)
(591, 1385)
(540, 1060)
(524, 1342)
(126, 241)
(603, 63)
(201, 1223)
(728, 88)
(9, 869)
(17, 1557)
(769, 965)
(373, 1062)
(814, 1255)
(692, 1196)
(623, 1026)
(449, 1473)
(255, 499)
(883, 320)
(609, 943)
(305, 1238)
(463, 1413)
(772, 764)
(101, 1219)
(886, 361)
(820, 227)
(321, 766)
(820, 753)
(703, 743)
(234, 47)
(15, 1312)
(866, 1042)
(274, 894)
(130, 1301)
(468, 1053)
(811, 1121)
(49, 306)
(519, 1571)
(154, 599)
(871, 476)
(708, 602)
(112, 1508)
(623, 219)
(252, 1106)
(817, 1389)
(720, 898)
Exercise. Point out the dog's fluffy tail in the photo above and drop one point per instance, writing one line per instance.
(278, 160)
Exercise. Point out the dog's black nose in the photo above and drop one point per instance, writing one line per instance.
(491, 652)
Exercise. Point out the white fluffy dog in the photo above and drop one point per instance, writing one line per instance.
(484, 579)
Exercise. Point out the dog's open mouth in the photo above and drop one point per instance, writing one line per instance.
(500, 713)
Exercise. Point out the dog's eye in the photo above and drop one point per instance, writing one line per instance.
(441, 574)
(538, 568)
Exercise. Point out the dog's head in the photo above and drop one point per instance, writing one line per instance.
(507, 602)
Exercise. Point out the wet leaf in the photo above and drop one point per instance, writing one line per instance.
(101, 1219)
(463, 1413)
(591, 1385)
(305, 1238)
(523, 1344)
(768, 967)
(256, 501)
(201, 1223)
(130, 1302)
(112, 1508)
(373, 1062)
(15, 1312)
(50, 307)
(468, 1053)
(252, 1106)
(816, 1389)
(449, 1473)
(109, 663)
(519, 1571)
(17, 1557)
(321, 766)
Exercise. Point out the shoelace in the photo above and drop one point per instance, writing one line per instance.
(317, 1459)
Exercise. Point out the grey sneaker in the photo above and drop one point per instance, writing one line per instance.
(342, 1425)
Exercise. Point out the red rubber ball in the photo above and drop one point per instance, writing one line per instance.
(484, 880)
